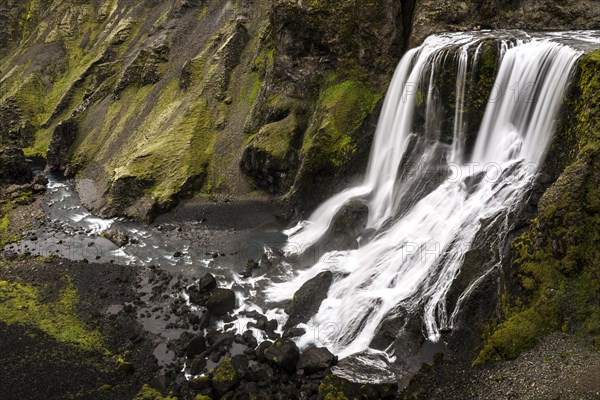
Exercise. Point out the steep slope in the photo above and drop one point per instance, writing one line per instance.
(148, 102)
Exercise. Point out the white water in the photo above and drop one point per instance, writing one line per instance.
(417, 251)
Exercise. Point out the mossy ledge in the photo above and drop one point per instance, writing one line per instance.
(556, 262)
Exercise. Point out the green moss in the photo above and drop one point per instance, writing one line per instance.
(203, 397)
(557, 261)
(341, 110)
(149, 393)
(25, 304)
(6, 235)
(225, 375)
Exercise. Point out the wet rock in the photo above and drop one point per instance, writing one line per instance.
(308, 299)
(196, 346)
(40, 179)
(221, 301)
(348, 225)
(315, 359)
(207, 283)
(260, 350)
(294, 332)
(283, 353)
(119, 238)
(219, 340)
(198, 365)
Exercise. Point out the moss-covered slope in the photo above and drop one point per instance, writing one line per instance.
(155, 101)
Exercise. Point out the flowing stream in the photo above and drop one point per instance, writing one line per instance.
(417, 236)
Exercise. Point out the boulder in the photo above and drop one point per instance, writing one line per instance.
(315, 359)
(207, 283)
(198, 365)
(225, 377)
(221, 301)
(283, 353)
(118, 237)
(196, 346)
(308, 299)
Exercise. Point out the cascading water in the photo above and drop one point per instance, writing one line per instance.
(419, 241)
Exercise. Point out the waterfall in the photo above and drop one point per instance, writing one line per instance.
(419, 240)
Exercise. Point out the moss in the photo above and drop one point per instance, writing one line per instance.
(341, 110)
(203, 397)
(6, 234)
(149, 393)
(25, 304)
(557, 261)
(336, 388)
(225, 375)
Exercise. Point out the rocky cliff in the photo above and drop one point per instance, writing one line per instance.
(156, 101)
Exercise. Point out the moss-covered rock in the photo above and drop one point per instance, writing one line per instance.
(225, 377)
(149, 393)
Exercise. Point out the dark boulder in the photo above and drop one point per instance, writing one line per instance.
(221, 301)
(315, 359)
(207, 283)
(198, 365)
(308, 299)
(283, 353)
(196, 346)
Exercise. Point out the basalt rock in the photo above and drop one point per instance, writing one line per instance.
(283, 353)
(315, 359)
(221, 301)
(308, 299)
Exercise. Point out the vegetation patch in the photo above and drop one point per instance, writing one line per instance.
(28, 305)
(341, 110)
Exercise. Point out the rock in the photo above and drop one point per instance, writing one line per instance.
(13, 166)
(308, 299)
(294, 332)
(196, 346)
(225, 377)
(198, 365)
(62, 138)
(207, 283)
(40, 179)
(177, 254)
(315, 359)
(283, 353)
(119, 238)
(221, 301)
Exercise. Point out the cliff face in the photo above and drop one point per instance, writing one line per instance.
(431, 16)
(155, 101)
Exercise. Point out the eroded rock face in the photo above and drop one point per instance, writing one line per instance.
(432, 16)
(14, 168)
